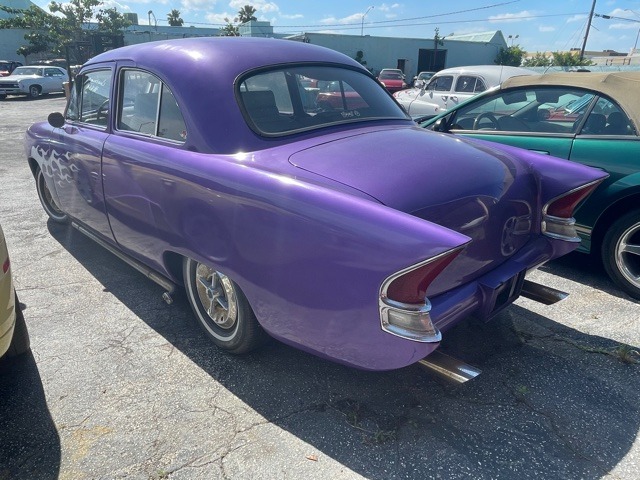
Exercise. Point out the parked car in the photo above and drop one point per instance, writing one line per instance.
(338, 95)
(33, 81)
(8, 66)
(450, 86)
(279, 217)
(422, 78)
(14, 337)
(590, 118)
(392, 79)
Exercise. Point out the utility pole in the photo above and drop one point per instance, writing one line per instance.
(586, 35)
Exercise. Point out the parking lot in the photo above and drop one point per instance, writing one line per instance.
(121, 385)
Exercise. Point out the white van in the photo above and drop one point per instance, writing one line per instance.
(451, 86)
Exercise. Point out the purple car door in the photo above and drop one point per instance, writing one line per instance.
(77, 147)
(139, 163)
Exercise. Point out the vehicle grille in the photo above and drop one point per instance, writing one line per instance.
(8, 85)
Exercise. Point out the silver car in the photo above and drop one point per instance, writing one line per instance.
(449, 87)
(33, 81)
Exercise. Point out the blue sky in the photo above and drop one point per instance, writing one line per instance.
(540, 25)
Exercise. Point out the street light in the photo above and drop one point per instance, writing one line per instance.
(151, 14)
(513, 38)
(362, 25)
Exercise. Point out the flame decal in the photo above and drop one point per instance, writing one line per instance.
(53, 165)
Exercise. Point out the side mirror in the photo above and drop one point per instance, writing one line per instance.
(440, 125)
(419, 83)
(56, 120)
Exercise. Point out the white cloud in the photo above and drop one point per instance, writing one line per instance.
(190, 5)
(577, 18)
(386, 8)
(219, 18)
(512, 17)
(113, 4)
(355, 18)
(261, 6)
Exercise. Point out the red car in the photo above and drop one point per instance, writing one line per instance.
(392, 79)
(7, 66)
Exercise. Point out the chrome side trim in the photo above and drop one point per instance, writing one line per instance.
(568, 223)
(164, 282)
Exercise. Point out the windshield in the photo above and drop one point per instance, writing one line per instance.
(391, 76)
(27, 71)
(288, 100)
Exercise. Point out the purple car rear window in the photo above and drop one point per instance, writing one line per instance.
(288, 100)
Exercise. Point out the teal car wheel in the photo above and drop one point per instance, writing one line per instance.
(621, 253)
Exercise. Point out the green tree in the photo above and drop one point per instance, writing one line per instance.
(111, 21)
(538, 60)
(569, 59)
(556, 59)
(174, 18)
(229, 30)
(246, 14)
(511, 56)
(54, 33)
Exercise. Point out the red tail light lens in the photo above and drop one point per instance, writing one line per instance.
(6, 265)
(411, 287)
(557, 220)
(564, 206)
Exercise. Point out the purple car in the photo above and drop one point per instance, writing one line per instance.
(346, 231)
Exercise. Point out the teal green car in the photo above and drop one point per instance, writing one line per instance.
(590, 118)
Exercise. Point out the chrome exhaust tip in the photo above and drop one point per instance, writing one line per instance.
(449, 367)
(541, 293)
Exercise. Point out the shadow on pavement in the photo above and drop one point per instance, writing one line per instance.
(587, 270)
(550, 404)
(29, 441)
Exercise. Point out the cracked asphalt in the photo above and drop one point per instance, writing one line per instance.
(120, 385)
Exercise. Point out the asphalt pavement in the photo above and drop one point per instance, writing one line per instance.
(120, 385)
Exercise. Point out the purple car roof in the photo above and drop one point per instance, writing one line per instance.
(201, 72)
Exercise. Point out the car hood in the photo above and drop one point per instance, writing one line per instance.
(17, 78)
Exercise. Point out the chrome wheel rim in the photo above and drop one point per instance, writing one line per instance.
(628, 254)
(217, 296)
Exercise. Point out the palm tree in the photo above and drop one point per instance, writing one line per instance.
(174, 18)
(246, 14)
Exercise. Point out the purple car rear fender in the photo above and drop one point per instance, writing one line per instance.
(311, 260)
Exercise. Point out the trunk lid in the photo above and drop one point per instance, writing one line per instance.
(469, 187)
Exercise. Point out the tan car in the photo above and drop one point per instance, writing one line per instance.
(14, 338)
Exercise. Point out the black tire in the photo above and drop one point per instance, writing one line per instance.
(621, 253)
(20, 342)
(34, 91)
(3, 96)
(221, 309)
(50, 207)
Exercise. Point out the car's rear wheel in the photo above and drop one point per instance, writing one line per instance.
(34, 91)
(621, 253)
(54, 212)
(221, 308)
(20, 342)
